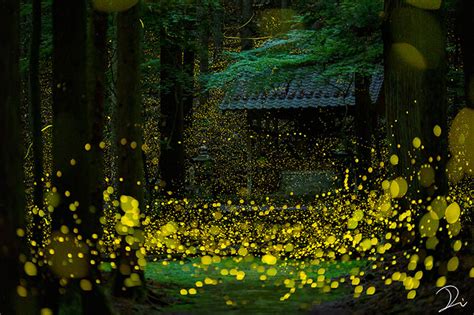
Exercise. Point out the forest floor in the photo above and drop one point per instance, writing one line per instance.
(233, 286)
(237, 287)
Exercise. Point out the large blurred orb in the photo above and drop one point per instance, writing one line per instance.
(67, 257)
(461, 140)
(110, 6)
(425, 4)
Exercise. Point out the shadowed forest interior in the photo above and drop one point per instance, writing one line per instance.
(236, 156)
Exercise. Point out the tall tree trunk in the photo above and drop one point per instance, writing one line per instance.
(97, 107)
(172, 116)
(216, 29)
(363, 121)
(247, 30)
(465, 16)
(204, 32)
(416, 102)
(12, 205)
(129, 280)
(70, 147)
(189, 57)
(73, 156)
(415, 93)
(35, 109)
(203, 46)
(95, 299)
(70, 115)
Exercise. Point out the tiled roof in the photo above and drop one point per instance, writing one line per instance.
(302, 92)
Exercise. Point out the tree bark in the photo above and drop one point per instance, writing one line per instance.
(98, 64)
(129, 130)
(12, 205)
(70, 176)
(95, 301)
(216, 29)
(70, 115)
(364, 121)
(465, 16)
(247, 30)
(35, 109)
(172, 116)
(204, 33)
(189, 57)
(415, 92)
(416, 102)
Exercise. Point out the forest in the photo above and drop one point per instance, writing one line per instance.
(236, 157)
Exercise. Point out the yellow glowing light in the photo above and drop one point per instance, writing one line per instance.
(409, 55)
(269, 259)
(394, 159)
(426, 176)
(206, 260)
(21, 291)
(425, 4)
(461, 140)
(453, 211)
(441, 282)
(46, 311)
(411, 295)
(453, 264)
(416, 142)
(398, 187)
(110, 6)
(371, 291)
(437, 131)
(85, 285)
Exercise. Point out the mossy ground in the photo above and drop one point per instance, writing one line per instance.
(250, 295)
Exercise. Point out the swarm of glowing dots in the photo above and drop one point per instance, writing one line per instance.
(110, 6)
(455, 169)
(67, 257)
(276, 21)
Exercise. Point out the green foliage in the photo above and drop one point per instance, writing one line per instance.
(346, 40)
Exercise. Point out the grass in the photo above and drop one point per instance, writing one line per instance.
(230, 294)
